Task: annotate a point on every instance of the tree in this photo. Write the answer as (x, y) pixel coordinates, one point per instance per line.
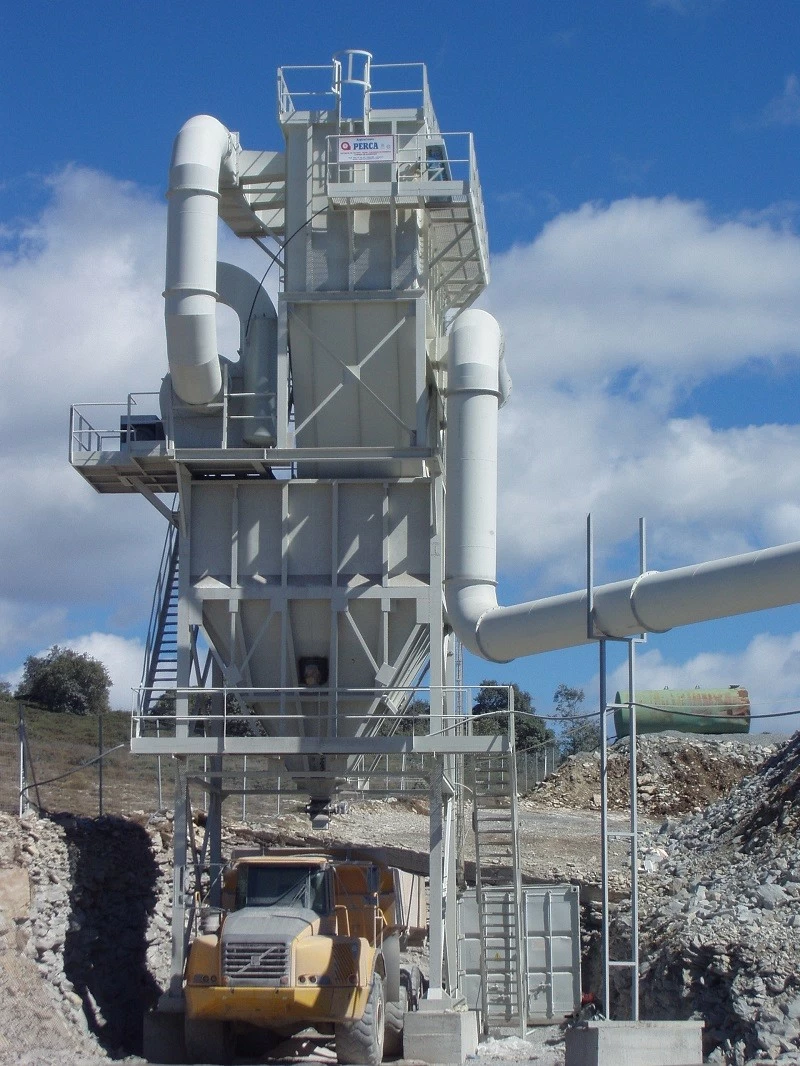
(579, 733)
(493, 697)
(65, 680)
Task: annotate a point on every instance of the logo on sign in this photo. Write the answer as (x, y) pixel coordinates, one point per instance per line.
(375, 149)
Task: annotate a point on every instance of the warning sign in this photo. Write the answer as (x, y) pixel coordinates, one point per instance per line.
(366, 149)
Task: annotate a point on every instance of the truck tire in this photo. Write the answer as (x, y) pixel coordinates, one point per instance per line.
(208, 1040)
(393, 1026)
(360, 1043)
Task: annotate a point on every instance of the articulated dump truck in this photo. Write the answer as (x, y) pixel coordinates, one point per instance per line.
(308, 939)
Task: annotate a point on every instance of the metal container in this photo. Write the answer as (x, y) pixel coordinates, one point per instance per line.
(694, 710)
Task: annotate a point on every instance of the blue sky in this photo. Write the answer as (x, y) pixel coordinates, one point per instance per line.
(638, 161)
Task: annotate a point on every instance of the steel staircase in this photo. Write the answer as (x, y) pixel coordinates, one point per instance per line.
(159, 673)
(499, 891)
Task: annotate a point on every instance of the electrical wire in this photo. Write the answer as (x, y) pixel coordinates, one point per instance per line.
(275, 260)
(75, 769)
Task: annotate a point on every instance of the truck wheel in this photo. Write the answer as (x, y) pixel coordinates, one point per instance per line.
(208, 1040)
(361, 1042)
(393, 1026)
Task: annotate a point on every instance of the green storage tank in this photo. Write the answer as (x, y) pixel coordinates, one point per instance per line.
(693, 710)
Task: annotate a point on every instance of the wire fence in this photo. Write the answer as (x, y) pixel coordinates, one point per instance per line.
(62, 762)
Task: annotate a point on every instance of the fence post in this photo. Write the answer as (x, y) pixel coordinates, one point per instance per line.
(100, 763)
(23, 794)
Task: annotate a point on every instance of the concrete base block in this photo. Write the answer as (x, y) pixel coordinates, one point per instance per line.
(446, 1036)
(635, 1044)
(162, 1037)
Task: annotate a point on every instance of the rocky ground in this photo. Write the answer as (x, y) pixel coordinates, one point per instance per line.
(84, 903)
(677, 773)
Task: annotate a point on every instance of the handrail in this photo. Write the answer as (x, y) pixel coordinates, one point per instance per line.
(445, 724)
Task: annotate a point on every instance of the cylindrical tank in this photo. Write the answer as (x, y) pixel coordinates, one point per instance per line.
(694, 710)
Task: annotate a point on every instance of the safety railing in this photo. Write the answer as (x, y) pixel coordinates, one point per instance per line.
(306, 712)
(100, 427)
(418, 158)
(385, 86)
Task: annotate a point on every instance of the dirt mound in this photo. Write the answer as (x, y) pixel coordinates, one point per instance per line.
(677, 774)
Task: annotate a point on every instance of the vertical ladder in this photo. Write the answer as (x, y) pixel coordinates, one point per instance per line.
(498, 891)
(160, 670)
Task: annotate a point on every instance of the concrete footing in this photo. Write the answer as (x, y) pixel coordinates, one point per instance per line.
(446, 1036)
(635, 1044)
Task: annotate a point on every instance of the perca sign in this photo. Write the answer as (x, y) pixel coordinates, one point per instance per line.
(366, 149)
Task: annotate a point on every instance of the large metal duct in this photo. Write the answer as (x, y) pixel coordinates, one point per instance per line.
(258, 344)
(202, 149)
(653, 602)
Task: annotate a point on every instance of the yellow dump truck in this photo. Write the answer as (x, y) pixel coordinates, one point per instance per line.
(307, 939)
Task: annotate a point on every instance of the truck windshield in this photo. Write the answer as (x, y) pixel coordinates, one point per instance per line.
(286, 886)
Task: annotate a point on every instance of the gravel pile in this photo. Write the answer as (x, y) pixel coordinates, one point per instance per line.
(677, 774)
(720, 918)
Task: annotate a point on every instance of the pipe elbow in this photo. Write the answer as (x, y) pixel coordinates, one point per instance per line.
(467, 604)
(203, 149)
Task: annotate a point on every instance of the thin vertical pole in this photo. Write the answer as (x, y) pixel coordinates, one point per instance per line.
(160, 784)
(604, 827)
(634, 790)
(23, 794)
(100, 762)
(244, 789)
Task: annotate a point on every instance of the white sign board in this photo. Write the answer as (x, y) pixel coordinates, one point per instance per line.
(366, 148)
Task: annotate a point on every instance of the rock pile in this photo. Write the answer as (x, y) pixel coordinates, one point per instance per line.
(720, 918)
(84, 904)
(677, 773)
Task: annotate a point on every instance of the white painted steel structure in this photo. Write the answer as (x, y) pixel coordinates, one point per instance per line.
(310, 469)
(316, 539)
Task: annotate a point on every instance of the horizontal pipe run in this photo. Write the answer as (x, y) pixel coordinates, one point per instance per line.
(653, 602)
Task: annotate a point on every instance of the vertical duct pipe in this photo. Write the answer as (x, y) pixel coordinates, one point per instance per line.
(202, 149)
(652, 602)
(258, 343)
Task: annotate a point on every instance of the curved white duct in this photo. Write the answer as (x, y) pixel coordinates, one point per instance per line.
(652, 602)
(258, 343)
(202, 149)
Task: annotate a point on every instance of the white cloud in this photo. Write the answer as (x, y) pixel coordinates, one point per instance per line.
(784, 109)
(122, 658)
(652, 286)
(611, 316)
(81, 315)
(769, 667)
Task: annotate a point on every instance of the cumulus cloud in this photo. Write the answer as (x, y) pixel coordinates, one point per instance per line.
(653, 287)
(612, 316)
(81, 315)
(769, 667)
